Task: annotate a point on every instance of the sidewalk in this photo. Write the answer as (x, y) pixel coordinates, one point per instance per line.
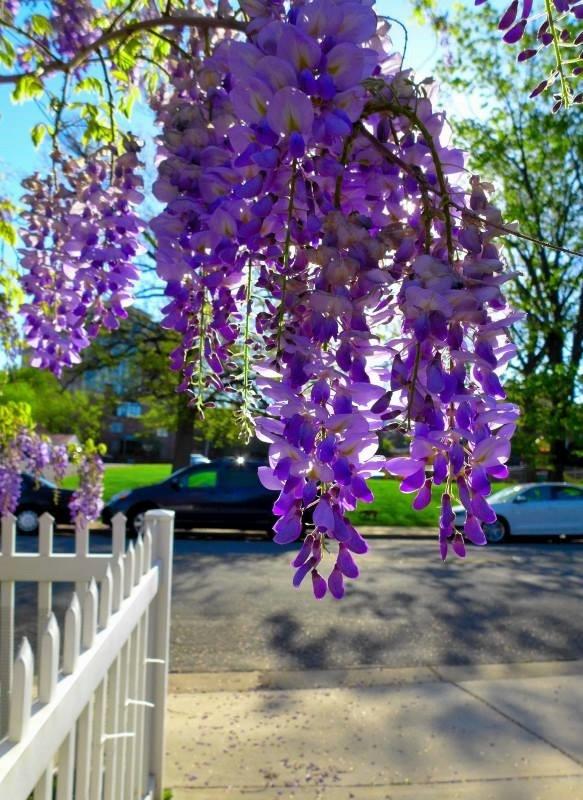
(501, 732)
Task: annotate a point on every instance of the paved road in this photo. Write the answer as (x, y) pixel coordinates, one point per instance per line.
(234, 608)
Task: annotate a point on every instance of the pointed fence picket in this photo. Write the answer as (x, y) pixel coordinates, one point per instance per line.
(83, 717)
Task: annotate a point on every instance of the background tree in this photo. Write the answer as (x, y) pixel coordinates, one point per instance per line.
(53, 409)
(537, 158)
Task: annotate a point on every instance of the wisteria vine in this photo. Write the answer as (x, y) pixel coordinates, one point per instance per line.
(329, 262)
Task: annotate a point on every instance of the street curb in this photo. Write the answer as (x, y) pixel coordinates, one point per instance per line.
(363, 677)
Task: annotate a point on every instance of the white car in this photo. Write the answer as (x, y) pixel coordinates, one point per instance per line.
(530, 509)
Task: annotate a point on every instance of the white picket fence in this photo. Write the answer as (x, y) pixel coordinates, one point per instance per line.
(84, 720)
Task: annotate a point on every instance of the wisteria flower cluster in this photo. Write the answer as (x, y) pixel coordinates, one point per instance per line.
(87, 501)
(556, 25)
(310, 186)
(328, 261)
(80, 241)
(23, 450)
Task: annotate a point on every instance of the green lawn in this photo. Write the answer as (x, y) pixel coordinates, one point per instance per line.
(391, 507)
(127, 476)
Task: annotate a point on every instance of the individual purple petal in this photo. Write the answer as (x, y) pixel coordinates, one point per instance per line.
(323, 515)
(500, 472)
(482, 510)
(440, 467)
(346, 563)
(435, 378)
(287, 529)
(509, 16)
(283, 504)
(479, 482)
(413, 482)
(361, 490)
(297, 145)
(304, 552)
(463, 415)
(318, 585)
(491, 451)
(302, 571)
(327, 449)
(446, 517)
(443, 546)
(335, 584)
(539, 88)
(299, 49)
(456, 458)
(423, 497)
(525, 55)
(268, 479)
(515, 34)
(290, 111)
(356, 543)
(309, 492)
(342, 471)
(342, 532)
(473, 531)
(458, 545)
(320, 393)
(403, 466)
(464, 493)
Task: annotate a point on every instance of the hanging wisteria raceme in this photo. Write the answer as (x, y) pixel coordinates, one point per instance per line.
(87, 501)
(308, 177)
(328, 261)
(27, 452)
(80, 242)
(556, 24)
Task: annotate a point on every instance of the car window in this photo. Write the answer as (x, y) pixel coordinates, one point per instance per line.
(239, 478)
(567, 493)
(200, 479)
(505, 494)
(536, 493)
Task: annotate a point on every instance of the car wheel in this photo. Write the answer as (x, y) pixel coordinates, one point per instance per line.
(136, 525)
(27, 520)
(496, 532)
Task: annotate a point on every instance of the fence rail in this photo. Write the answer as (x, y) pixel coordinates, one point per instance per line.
(84, 715)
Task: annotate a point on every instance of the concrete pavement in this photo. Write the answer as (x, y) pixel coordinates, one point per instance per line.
(500, 732)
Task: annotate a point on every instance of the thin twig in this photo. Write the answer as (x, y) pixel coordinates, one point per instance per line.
(110, 105)
(184, 53)
(286, 252)
(180, 21)
(4, 23)
(405, 32)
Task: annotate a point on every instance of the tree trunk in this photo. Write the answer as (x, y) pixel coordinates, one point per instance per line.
(184, 441)
(558, 458)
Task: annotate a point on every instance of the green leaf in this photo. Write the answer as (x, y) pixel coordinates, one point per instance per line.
(128, 100)
(38, 133)
(90, 84)
(27, 88)
(120, 76)
(41, 25)
(161, 50)
(7, 232)
(7, 52)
